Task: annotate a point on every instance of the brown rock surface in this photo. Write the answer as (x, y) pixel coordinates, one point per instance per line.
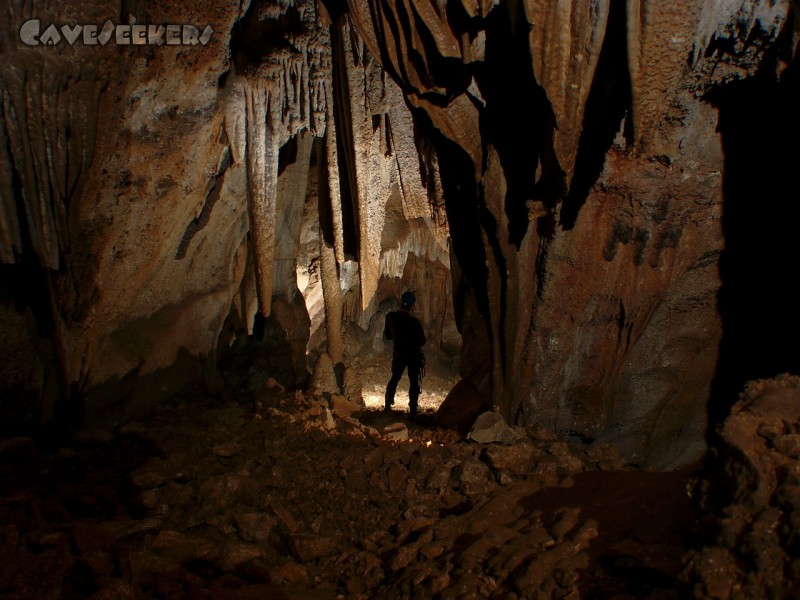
(326, 513)
(755, 488)
(593, 201)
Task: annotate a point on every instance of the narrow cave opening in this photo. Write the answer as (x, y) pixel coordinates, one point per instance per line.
(759, 126)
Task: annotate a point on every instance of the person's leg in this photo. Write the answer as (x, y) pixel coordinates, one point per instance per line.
(413, 387)
(398, 366)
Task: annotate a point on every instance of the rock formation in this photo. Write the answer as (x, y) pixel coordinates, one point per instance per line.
(558, 180)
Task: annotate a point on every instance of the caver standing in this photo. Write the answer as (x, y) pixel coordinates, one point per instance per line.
(406, 332)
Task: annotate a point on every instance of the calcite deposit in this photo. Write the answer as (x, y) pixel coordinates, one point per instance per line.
(594, 202)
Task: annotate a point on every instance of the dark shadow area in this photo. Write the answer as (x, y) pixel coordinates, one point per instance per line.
(256, 36)
(276, 349)
(645, 524)
(609, 98)
(463, 214)
(32, 394)
(518, 120)
(345, 144)
(759, 123)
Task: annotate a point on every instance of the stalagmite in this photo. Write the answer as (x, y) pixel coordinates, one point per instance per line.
(332, 294)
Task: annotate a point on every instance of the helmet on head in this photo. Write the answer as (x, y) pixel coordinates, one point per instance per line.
(408, 299)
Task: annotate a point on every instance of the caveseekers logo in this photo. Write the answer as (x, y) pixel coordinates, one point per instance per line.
(31, 33)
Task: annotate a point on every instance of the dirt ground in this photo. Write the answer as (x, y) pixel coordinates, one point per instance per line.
(441, 374)
(216, 498)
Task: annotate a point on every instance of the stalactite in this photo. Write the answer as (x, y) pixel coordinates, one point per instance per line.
(47, 130)
(370, 170)
(332, 162)
(419, 242)
(263, 144)
(292, 188)
(284, 95)
(736, 20)
(565, 41)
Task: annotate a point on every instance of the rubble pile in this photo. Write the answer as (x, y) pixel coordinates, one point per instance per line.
(293, 497)
(756, 497)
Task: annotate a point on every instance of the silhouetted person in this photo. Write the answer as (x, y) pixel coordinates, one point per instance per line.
(408, 336)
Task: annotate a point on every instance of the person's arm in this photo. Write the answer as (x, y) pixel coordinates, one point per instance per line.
(420, 334)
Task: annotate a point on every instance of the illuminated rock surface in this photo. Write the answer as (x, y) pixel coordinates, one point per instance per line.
(595, 203)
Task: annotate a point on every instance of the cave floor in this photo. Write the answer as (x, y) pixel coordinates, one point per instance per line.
(375, 368)
(213, 499)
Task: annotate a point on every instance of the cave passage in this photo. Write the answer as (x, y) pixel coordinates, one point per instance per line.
(758, 301)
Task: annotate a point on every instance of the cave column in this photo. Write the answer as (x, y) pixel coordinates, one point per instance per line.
(333, 174)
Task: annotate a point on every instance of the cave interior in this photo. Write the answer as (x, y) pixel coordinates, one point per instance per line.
(200, 239)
